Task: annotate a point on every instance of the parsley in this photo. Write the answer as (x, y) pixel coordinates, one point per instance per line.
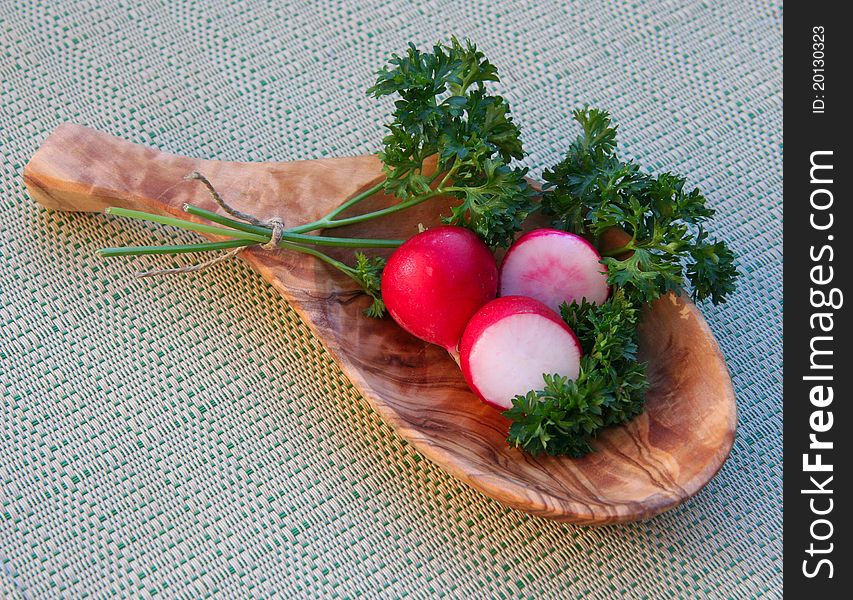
(445, 111)
(368, 272)
(564, 416)
(591, 190)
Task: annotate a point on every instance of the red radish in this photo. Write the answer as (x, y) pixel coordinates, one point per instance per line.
(554, 267)
(510, 344)
(436, 280)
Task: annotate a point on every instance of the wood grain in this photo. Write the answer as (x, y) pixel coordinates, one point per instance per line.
(641, 469)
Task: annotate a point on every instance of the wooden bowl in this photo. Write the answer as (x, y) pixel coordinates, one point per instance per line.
(640, 469)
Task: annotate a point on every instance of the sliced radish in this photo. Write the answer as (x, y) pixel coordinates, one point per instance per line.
(554, 267)
(436, 281)
(510, 344)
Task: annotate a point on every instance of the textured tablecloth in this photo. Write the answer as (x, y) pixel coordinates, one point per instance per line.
(189, 437)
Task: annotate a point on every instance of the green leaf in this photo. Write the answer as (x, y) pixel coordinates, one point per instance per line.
(591, 190)
(368, 272)
(494, 203)
(566, 415)
(444, 109)
(712, 272)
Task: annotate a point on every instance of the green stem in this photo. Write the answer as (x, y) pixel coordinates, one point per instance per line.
(617, 251)
(139, 250)
(452, 188)
(340, 242)
(450, 173)
(288, 235)
(329, 221)
(322, 224)
(387, 211)
(223, 220)
(320, 255)
(183, 224)
(629, 247)
(356, 199)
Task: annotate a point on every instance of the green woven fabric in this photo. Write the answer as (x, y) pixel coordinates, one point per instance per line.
(188, 437)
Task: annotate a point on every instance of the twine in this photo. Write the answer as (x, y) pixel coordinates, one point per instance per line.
(191, 268)
(275, 224)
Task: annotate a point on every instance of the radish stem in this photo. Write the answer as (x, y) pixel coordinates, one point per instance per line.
(184, 224)
(140, 250)
(325, 224)
(356, 199)
(255, 234)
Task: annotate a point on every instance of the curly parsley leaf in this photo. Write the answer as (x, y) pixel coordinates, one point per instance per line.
(444, 110)
(592, 190)
(368, 273)
(494, 202)
(565, 415)
(559, 418)
(712, 272)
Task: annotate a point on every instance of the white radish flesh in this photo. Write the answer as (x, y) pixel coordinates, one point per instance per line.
(510, 344)
(553, 267)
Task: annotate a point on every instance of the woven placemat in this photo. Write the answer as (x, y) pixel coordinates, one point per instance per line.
(189, 437)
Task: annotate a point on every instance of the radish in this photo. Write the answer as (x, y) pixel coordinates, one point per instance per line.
(436, 281)
(510, 344)
(554, 267)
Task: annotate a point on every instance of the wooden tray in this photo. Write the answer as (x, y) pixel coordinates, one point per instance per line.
(640, 469)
